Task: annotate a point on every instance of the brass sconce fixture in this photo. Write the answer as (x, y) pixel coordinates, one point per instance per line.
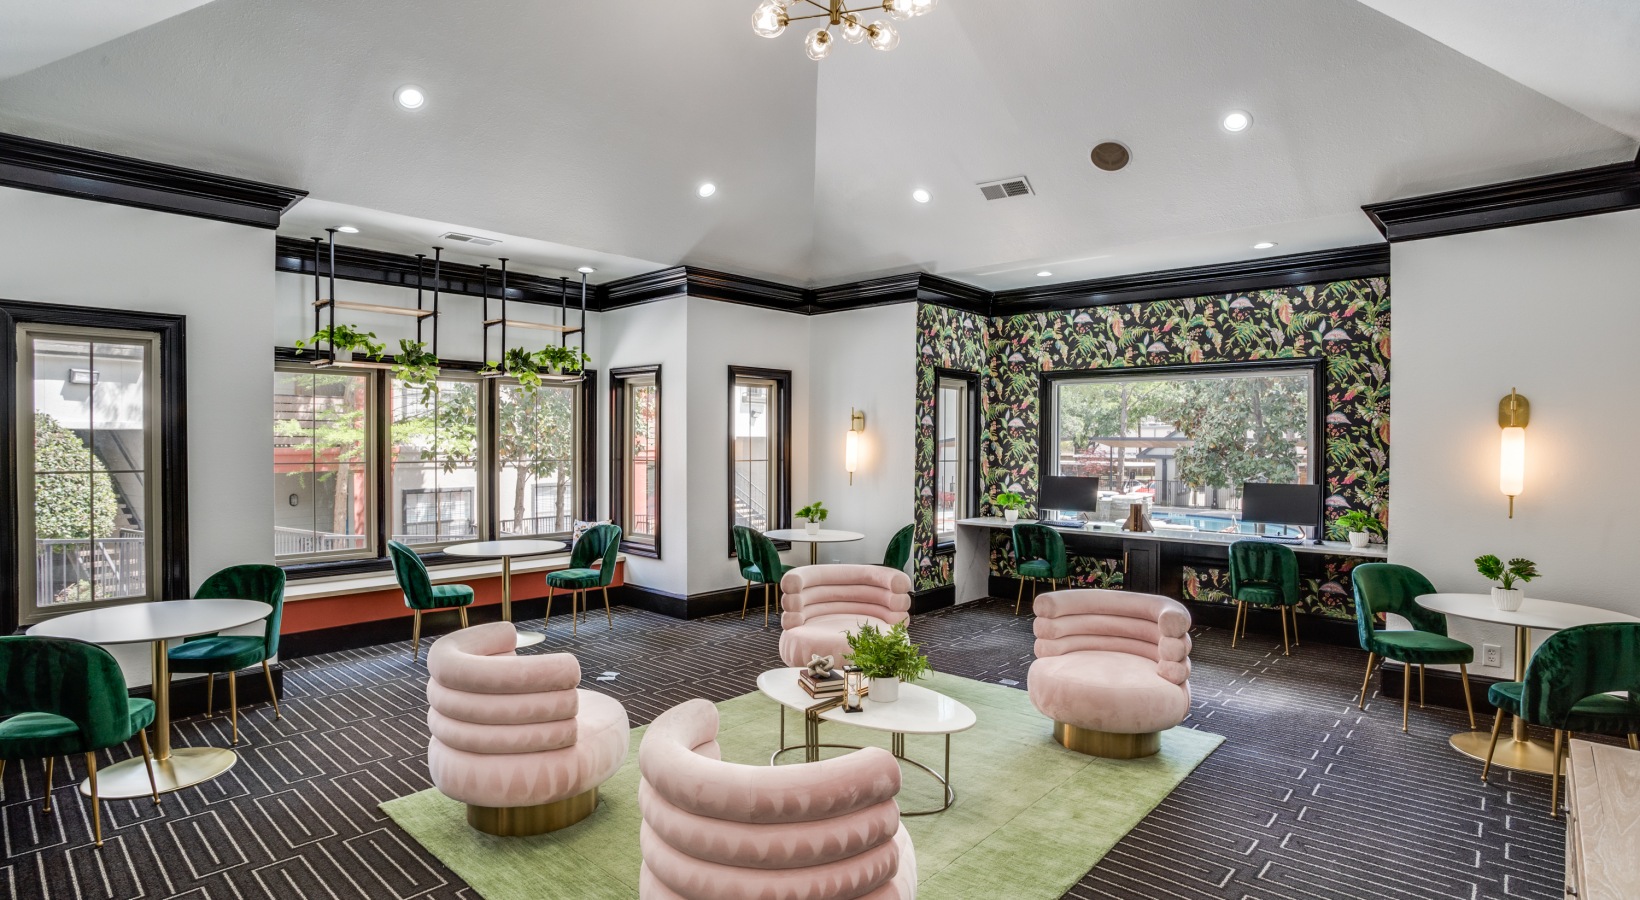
(851, 450)
(1514, 411)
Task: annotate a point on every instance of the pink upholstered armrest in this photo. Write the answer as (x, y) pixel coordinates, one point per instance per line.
(709, 787)
(482, 660)
(810, 591)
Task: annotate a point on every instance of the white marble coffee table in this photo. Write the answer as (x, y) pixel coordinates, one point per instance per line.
(917, 711)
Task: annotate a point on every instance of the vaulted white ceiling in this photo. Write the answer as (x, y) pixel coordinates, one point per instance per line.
(588, 126)
(36, 32)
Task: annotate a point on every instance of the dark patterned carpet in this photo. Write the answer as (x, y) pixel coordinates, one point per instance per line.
(1307, 798)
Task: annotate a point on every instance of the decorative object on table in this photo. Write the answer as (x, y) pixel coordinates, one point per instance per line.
(822, 603)
(1505, 595)
(1358, 526)
(1010, 502)
(887, 658)
(899, 548)
(812, 515)
(212, 654)
(1387, 588)
(1514, 412)
(421, 594)
(854, 682)
(599, 545)
(1265, 574)
(1567, 687)
(771, 17)
(823, 687)
(1112, 669)
(1138, 519)
(851, 448)
(821, 666)
(1039, 555)
(62, 697)
(759, 564)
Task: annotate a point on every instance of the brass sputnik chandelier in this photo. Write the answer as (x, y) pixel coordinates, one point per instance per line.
(772, 17)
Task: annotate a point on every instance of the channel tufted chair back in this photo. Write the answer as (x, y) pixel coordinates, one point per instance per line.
(822, 604)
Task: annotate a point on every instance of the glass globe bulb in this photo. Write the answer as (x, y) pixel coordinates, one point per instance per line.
(923, 7)
(899, 10)
(883, 36)
(769, 19)
(818, 44)
(853, 31)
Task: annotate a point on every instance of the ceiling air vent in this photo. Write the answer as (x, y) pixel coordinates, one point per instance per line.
(459, 238)
(1008, 187)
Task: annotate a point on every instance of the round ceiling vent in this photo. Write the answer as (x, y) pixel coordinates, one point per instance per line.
(1111, 156)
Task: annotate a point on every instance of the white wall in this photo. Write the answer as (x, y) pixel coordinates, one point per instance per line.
(1551, 310)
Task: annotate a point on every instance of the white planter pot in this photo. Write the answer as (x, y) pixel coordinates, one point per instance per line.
(1507, 601)
(1010, 515)
(812, 527)
(344, 356)
(1360, 539)
(885, 690)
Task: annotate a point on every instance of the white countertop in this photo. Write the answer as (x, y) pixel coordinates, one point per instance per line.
(1330, 548)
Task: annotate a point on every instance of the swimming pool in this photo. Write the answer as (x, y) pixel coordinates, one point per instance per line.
(1222, 523)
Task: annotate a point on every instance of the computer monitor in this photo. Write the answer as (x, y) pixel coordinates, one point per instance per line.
(1282, 504)
(1069, 493)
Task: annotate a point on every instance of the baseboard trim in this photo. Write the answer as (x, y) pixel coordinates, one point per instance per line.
(693, 606)
(1442, 688)
(934, 598)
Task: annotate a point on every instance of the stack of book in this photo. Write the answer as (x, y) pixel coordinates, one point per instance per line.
(825, 688)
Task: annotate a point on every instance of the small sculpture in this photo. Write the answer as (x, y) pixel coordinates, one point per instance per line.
(820, 666)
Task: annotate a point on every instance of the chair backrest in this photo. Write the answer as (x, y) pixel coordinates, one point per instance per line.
(844, 589)
(251, 582)
(822, 829)
(1577, 663)
(80, 682)
(753, 548)
(412, 575)
(1149, 626)
(1389, 588)
(1032, 542)
(600, 542)
(483, 697)
(899, 548)
(1264, 564)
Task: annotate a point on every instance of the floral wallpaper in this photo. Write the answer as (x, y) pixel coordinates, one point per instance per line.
(946, 339)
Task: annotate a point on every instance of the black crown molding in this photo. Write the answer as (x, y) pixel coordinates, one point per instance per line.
(34, 165)
(399, 270)
(1564, 195)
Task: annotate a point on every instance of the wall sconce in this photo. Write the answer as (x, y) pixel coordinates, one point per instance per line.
(1514, 411)
(851, 450)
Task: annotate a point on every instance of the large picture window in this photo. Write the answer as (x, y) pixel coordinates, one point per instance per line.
(759, 438)
(436, 462)
(537, 437)
(1183, 440)
(635, 449)
(322, 464)
(955, 452)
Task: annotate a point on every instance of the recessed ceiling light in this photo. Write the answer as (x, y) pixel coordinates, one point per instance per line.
(707, 189)
(347, 229)
(1264, 245)
(1044, 274)
(921, 196)
(410, 97)
(1236, 120)
(586, 270)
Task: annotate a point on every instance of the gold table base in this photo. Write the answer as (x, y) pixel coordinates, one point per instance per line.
(1530, 755)
(187, 766)
(811, 752)
(524, 821)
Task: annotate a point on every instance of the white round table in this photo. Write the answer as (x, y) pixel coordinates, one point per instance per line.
(156, 623)
(505, 551)
(813, 539)
(1521, 752)
(917, 711)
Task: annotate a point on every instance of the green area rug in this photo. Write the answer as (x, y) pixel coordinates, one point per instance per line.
(1031, 817)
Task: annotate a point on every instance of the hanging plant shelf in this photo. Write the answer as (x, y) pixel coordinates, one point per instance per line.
(376, 308)
(539, 326)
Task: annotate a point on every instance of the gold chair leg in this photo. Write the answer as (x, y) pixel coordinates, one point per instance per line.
(547, 616)
(463, 617)
(611, 616)
(96, 806)
(1293, 611)
(1469, 704)
(574, 612)
(765, 605)
(1554, 778)
(415, 635)
(1286, 649)
(210, 691)
(233, 704)
(746, 599)
(51, 769)
(148, 763)
(1019, 597)
(1365, 680)
(1406, 693)
(1634, 743)
(1497, 726)
(1235, 623)
(1420, 685)
(268, 674)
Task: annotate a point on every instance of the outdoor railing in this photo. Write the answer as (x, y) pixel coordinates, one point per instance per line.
(78, 571)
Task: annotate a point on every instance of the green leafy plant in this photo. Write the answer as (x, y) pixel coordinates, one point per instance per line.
(1357, 520)
(1494, 569)
(345, 338)
(564, 360)
(1009, 500)
(529, 365)
(814, 512)
(415, 365)
(886, 654)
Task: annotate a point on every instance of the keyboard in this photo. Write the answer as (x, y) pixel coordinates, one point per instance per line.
(1271, 538)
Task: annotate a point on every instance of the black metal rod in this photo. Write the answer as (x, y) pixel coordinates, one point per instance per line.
(583, 341)
(503, 305)
(420, 259)
(332, 274)
(485, 267)
(563, 310)
(317, 242)
(437, 253)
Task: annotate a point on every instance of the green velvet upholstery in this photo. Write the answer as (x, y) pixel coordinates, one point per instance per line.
(217, 653)
(600, 544)
(574, 579)
(1039, 552)
(1382, 588)
(419, 591)
(759, 558)
(230, 653)
(1263, 573)
(64, 697)
(1569, 676)
(899, 548)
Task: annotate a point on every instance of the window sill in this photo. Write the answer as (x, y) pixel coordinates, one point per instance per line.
(467, 570)
(643, 550)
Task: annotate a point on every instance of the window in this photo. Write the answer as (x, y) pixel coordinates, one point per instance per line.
(1184, 439)
(759, 437)
(635, 448)
(89, 476)
(955, 471)
(536, 441)
(436, 461)
(323, 467)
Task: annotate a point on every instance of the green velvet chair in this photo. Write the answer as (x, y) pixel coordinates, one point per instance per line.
(1039, 555)
(62, 697)
(211, 654)
(421, 594)
(600, 544)
(1566, 688)
(759, 564)
(1382, 588)
(1264, 573)
(899, 548)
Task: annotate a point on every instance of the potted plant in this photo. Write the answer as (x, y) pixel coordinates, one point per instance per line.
(1359, 527)
(1505, 596)
(344, 341)
(813, 515)
(564, 360)
(887, 658)
(415, 365)
(1010, 502)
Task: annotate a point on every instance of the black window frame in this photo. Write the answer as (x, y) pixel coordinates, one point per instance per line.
(970, 438)
(781, 509)
(619, 381)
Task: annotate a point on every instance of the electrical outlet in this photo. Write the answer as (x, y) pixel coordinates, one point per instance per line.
(1491, 655)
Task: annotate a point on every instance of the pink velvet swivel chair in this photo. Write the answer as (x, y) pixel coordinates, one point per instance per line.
(714, 830)
(1112, 669)
(513, 736)
(822, 604)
